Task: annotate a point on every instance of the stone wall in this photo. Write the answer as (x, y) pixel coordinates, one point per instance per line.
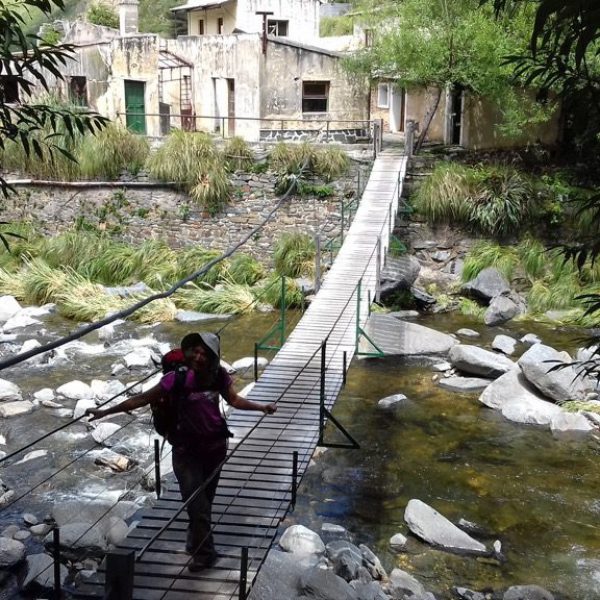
(138, 211)
(344, 136)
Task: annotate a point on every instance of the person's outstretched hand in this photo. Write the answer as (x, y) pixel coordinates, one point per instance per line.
(94, 413)
(269, 409)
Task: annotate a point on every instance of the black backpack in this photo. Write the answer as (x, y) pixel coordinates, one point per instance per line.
(164, 415)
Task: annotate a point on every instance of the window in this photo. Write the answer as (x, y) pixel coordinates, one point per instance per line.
(78, 90)
(279, 28)
(314, 96)
(9, 89)
(201, 27)
(220, 25)
(368, 38)
(383, 95)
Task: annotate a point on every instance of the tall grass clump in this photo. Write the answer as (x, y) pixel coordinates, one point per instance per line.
(193, 258)
(489, 254)
(213, 188)
(238, 154)
(41, 282)
(231, 298)
(245, 270)
(290, 159)
(268, 291)
(294, 255)
(330, 163)
(111, 151)
(12, 284)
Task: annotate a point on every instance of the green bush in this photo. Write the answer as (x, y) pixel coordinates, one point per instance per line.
(330, 163)
(103, 14)
(112, 151)
(294, 255)
(238, 154)
(334, 26)
(245, 269)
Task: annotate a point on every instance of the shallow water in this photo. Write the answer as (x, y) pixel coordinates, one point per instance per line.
(537, 495)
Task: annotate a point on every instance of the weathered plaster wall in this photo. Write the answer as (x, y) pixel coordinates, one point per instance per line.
(227, 12)
(418, 101)
(282, 71)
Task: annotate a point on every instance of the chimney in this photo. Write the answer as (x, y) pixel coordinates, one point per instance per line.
(128, 16)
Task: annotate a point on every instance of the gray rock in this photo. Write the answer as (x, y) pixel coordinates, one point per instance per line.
(391, 401)
(441, 256)
(45, 395)
(422, 299)
(38, 359)
(8, 307)
(403, 338)
(531, 338)
(429, 525)
(369, 590)
(22, 535)
(467, 594)
(103, 390)
(41, 529)
(405, 314)
(527, 592)
(478, 361)
(9, 532)
(140, 357)
(403, 586)
(40, 569)
(9, 391)
(518, 400)
(75, 390)
(12, 552)
(80, 536)
(191, 316)
(372, 563)
(18, 322)
(487, 285)
(13, 409)
(321, 584)
(30, 519)
(468, 333)
(566, 426)
(301, 540)
(332, 531)
(561, 384)
(307, 286)
(92, 512)
(346, 559)
(398, 274)
(127, 291)
(115, 530)
(505, 344)
(500, 310)
(398, 542)
(82, 406)
(103, 433)
(441, 367)
(243, 365)
(464, 384)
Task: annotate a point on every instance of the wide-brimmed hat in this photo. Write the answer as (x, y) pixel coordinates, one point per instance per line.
(210, 340)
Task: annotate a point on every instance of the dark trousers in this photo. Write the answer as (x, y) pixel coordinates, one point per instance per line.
(192, 471)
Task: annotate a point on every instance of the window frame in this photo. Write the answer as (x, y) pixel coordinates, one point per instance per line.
(15, 96)
(80, 98)
(220, 25)
(314, 97)
(274, 25)
(201, 27)
(380, 86)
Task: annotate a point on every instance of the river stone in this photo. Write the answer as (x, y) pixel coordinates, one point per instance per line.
(475, 360)
(125, 291)
(391, 401)
(531, 338)
(80, 536)
(346, 559)
(116, 530)
(19, 322)
(41, 529)
(107, 332)
(567, 425)
(9, 391)
(9, 532)
(279, 577)
(398, 274)
(369, 590)
(403, 586)
(500, 310)
(63, 413)
(504, 344)
(403, 338)
(91, 512)
(14, 409)
(441, 367)
(191, 316)
(429, 525)
(8, 307)
(103, 432)
(82, 406)
(22, 535)
(46, 395)
(398, 542)
(372, 563)
(518, 400)
(75, 390)
(559, 385)
(140, 357)
(245, 364)
(38, 311)
(11, 552)
(487, 285)
(40, 568)
(527, 592)
(405, 314)
(332, 531)
(468, 333)
(113, 460)
(467, 594)
(38, 359)
(464, 384)
(103, 390)
(30, 519)
(322, 584)
(32, 456)
(301, 540)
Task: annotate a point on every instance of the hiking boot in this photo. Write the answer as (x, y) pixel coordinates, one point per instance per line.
(199, 563)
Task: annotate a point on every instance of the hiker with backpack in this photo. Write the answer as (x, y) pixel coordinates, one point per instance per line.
(185, 406)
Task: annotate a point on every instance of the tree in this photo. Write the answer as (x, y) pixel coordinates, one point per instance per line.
(24, 58)
(440, 44)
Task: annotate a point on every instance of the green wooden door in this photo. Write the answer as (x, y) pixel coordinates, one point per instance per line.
(135, 106)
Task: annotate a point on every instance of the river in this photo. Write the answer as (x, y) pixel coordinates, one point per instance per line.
(537, 495)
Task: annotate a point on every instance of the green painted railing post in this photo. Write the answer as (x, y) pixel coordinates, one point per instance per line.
(282, 331)
(358, 312)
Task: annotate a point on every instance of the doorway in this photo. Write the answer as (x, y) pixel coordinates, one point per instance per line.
(135, 106)
(230, 107)
(397, 103)
(456, 111)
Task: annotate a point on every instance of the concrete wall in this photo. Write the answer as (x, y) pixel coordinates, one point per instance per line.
(227, 12)
(418, 101)
(283, 70)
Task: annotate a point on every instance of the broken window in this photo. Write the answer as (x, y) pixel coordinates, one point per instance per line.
(279, 28)
(201, 27)
(315, 95)
(220, 25)
(368, 38)
(9, 89)
(78, 91)
(383, 93)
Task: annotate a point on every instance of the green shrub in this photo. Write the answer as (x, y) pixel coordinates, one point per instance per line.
(112, 151)
(329, 163)
(238, 154)
(334, 26)
(268, 291)
(294, 255)
(489, 254)
(245, 269)
(470, 308)
(213, 187)
(103, 14)
(291, 159)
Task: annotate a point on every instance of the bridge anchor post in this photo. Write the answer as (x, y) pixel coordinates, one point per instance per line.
(243, 573)
(120, 566)
(157, 467)
(294, 477)
(56, 556)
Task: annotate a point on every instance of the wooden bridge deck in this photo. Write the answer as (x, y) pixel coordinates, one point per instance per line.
(254, 492)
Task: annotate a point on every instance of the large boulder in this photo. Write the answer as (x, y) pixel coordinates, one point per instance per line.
(9, 391)
(398, 274)
(81, 536)
(8, 308)
(567, 425)
(428, 524)
(92, 512)
(464, 385)
(322, 584)
(301, 540)
(403, 338)
(11, 552)
(477, 361)
(519, 401)
(40, 570)
(18, 321)
(75, 390)
(104, 431)
(346, 559)
(501, 309)
(14, 409)
(487, 285)
(561, 384)
(504, 344)
(527, 592)
(403, 585)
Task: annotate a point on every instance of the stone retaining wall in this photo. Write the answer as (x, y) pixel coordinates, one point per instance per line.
(344, 136)
(144, 210)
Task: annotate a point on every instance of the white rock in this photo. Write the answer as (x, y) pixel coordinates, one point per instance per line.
(51, 404)
(505, 344)
(247, 363)
(10, 531)
(103, 432)
(40, 568)
(398, 542)
(18, 322)
(8, 307)
(9, 391)
(468, 333)
(44, 395)
(11, 552)
(391, 401)
(227, 367)
(22, 535)
(39, 359)
(38, 311)
(567, 425)
(531, 339)
(103, 390)
(302, 541)
(2, 440)
(30, 519)
(141, 357)
(63, 413)
(79, 536)
(14, 409)
(107, 332)
(442, 367)
(75, 390)
(82, 406)
(8, 337)
(150, 383)
(32, 456)
(41, 529)
(117, 368)
(116, 530)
